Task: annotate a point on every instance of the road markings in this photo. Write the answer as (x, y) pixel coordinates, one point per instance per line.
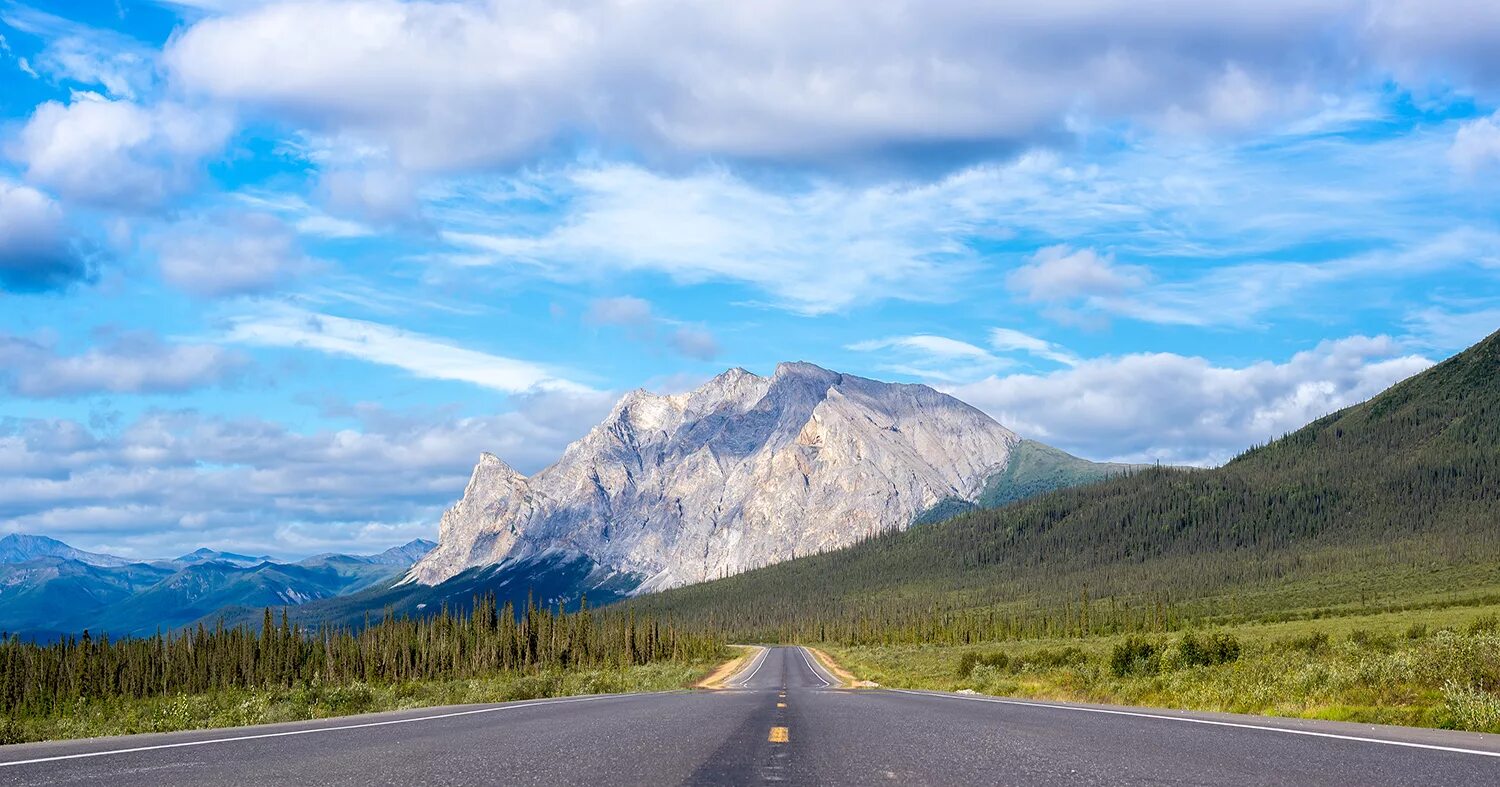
(760, 663)
(339, 728)
(778, 735)
(1210, 722)
(805, 660)
(781, 704)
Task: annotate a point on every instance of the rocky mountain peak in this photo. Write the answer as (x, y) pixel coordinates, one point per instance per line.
(742, 471)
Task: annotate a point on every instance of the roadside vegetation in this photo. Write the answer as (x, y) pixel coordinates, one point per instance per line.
(1428, 668)
(235, 676)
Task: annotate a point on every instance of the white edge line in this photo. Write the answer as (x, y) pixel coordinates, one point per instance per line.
(810, 666)
(760, 662)
(285, 733)
(1191, 720)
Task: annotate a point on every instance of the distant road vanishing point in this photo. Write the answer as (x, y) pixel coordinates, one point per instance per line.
(782, 719)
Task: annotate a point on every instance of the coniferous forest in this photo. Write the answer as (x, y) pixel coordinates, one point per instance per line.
(1392, 503)
(43, 679)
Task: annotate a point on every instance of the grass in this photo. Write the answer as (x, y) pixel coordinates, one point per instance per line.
(1430, 668)
(93, 718)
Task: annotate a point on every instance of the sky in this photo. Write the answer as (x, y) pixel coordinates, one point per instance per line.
(272, 274)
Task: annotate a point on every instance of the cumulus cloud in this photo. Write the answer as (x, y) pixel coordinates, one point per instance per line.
(1186, 410)
(37, 250)
(129, 362)
(234, 254)
(176, 480)
(1059, 273)
(1476, 145)
(116, 152)
(424, 356)
(380, 195)
(451, 85)
(641, 322)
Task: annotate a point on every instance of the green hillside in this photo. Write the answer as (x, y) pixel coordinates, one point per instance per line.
(1387, 504)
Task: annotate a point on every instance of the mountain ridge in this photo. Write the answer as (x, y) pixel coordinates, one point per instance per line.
(1399, 491)
(743, 471)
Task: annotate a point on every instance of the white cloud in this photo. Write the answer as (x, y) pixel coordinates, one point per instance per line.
(1010, 340)
(930, 357)
(1187, 410)
(233, 254)
(125, 363)
(815, 251)
(1476, 145)
(450, 85)
(117, 153)
(36, 247)
(1451, 329)
(421, 355)
(79, 53)
(173, 481)
(1059, 273)
(936, 346)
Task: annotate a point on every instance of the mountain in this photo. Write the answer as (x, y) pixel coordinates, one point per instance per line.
(743, 472)
(403, 556)
(49, 590)
(206, 555)
(19, 548)
(1387, 502)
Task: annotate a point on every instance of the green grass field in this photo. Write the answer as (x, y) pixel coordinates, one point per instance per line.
(1435, 667)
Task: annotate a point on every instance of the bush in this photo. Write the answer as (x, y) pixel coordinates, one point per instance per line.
(1416, 631)
(1314, 642)
(1471, 708)
(1046, 658)
(1484, 624)
(1216, 648)
(1135, 656)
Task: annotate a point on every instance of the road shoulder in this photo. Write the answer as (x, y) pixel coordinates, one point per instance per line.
(731, 668)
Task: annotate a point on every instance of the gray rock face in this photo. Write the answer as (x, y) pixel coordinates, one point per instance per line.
(742, 472)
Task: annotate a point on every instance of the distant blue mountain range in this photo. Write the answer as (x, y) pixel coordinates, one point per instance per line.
(48, 588)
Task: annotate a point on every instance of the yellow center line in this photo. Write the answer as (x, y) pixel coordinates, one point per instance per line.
(778, 735)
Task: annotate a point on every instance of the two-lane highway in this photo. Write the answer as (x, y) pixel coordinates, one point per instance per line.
(782, 719)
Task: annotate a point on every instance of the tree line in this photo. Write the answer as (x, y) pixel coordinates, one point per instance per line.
(38, 678)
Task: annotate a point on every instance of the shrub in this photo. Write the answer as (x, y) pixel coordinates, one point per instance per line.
(1416, 631)
(1471, 708)
(1049, 657)
(1135, 656)
(969, 660)
(1484, 624)
(1313, 642)
(1215, 648)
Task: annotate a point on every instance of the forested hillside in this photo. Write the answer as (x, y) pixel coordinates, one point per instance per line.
(1384, 503)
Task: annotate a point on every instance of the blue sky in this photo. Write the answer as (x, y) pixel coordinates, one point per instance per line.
(273, 273)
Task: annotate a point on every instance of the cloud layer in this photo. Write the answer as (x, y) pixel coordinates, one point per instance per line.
(447, 85)
(1177, 409)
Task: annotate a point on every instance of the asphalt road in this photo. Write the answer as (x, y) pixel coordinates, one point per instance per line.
(749, 733)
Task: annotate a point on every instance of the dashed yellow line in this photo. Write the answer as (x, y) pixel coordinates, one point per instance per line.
(778, 735)
(781, 704)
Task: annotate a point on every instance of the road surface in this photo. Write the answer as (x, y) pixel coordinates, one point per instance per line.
(749, 733)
